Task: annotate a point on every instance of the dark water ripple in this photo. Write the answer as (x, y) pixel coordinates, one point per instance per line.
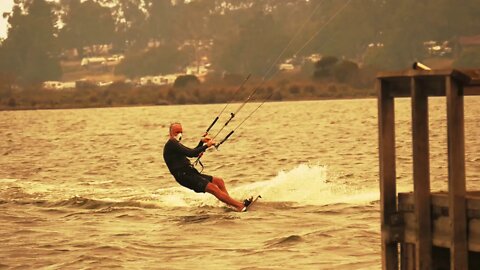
(284, 241)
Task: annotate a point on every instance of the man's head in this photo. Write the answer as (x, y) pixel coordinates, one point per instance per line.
(176, 131)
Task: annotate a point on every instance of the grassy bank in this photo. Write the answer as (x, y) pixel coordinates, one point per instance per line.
(120, 94)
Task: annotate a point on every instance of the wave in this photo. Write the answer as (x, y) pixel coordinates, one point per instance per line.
(301, 186)
(19, 196)
(83, 203)
(309, 185)
(86, 203)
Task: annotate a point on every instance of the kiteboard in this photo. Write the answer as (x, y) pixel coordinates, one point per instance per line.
(251, 203)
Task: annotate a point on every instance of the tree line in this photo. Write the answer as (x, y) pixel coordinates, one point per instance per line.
(239, 36)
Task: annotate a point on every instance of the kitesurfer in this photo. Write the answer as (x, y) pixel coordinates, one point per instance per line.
(176, 157)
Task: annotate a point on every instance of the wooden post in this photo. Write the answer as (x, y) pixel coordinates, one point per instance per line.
(407, 256)
(421, 176)
(456, 175)
(388, 196)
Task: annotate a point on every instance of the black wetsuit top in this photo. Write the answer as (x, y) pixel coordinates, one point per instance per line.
(175, 155)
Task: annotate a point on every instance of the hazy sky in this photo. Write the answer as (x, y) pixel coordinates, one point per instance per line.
(5, 6)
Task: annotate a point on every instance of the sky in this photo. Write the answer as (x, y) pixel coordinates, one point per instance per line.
(5, 6)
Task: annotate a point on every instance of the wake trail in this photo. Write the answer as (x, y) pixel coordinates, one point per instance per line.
(302, 185)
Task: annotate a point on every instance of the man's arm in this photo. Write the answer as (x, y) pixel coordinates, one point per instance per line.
(189, 152)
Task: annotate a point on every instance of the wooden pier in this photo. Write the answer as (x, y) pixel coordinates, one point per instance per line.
(424, 230)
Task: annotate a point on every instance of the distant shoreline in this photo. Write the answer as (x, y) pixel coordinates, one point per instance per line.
(9, 109)
(124, 96)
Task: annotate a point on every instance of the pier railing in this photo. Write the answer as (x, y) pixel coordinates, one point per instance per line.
(412, 235)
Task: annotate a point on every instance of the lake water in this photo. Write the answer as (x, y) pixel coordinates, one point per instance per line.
(88, 188)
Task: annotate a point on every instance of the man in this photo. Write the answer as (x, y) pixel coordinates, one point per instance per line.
(176, 156)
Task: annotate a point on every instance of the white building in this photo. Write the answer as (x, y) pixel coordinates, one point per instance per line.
(159, 80)
(86, 61)
(53, 85)
(56, 85)
(286, 67)
(196, 70)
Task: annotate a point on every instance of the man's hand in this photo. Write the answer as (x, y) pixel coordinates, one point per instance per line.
(206, 138)
(210, 142)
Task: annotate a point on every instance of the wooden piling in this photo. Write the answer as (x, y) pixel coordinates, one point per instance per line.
(388, 195)
(410, 224)
(456, 175)
(421, 174)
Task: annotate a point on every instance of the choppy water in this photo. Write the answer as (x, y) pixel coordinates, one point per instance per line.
(88, 189)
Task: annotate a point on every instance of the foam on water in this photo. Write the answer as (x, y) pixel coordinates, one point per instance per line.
(7, 180)
(302, 185)
(309, 185)
(177, 197)
(305, 184)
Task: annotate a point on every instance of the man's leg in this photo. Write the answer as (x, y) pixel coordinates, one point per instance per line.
(220, 183)
(222, 196)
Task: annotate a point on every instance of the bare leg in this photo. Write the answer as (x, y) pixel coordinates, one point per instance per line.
(224, 197)
(220, 184)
